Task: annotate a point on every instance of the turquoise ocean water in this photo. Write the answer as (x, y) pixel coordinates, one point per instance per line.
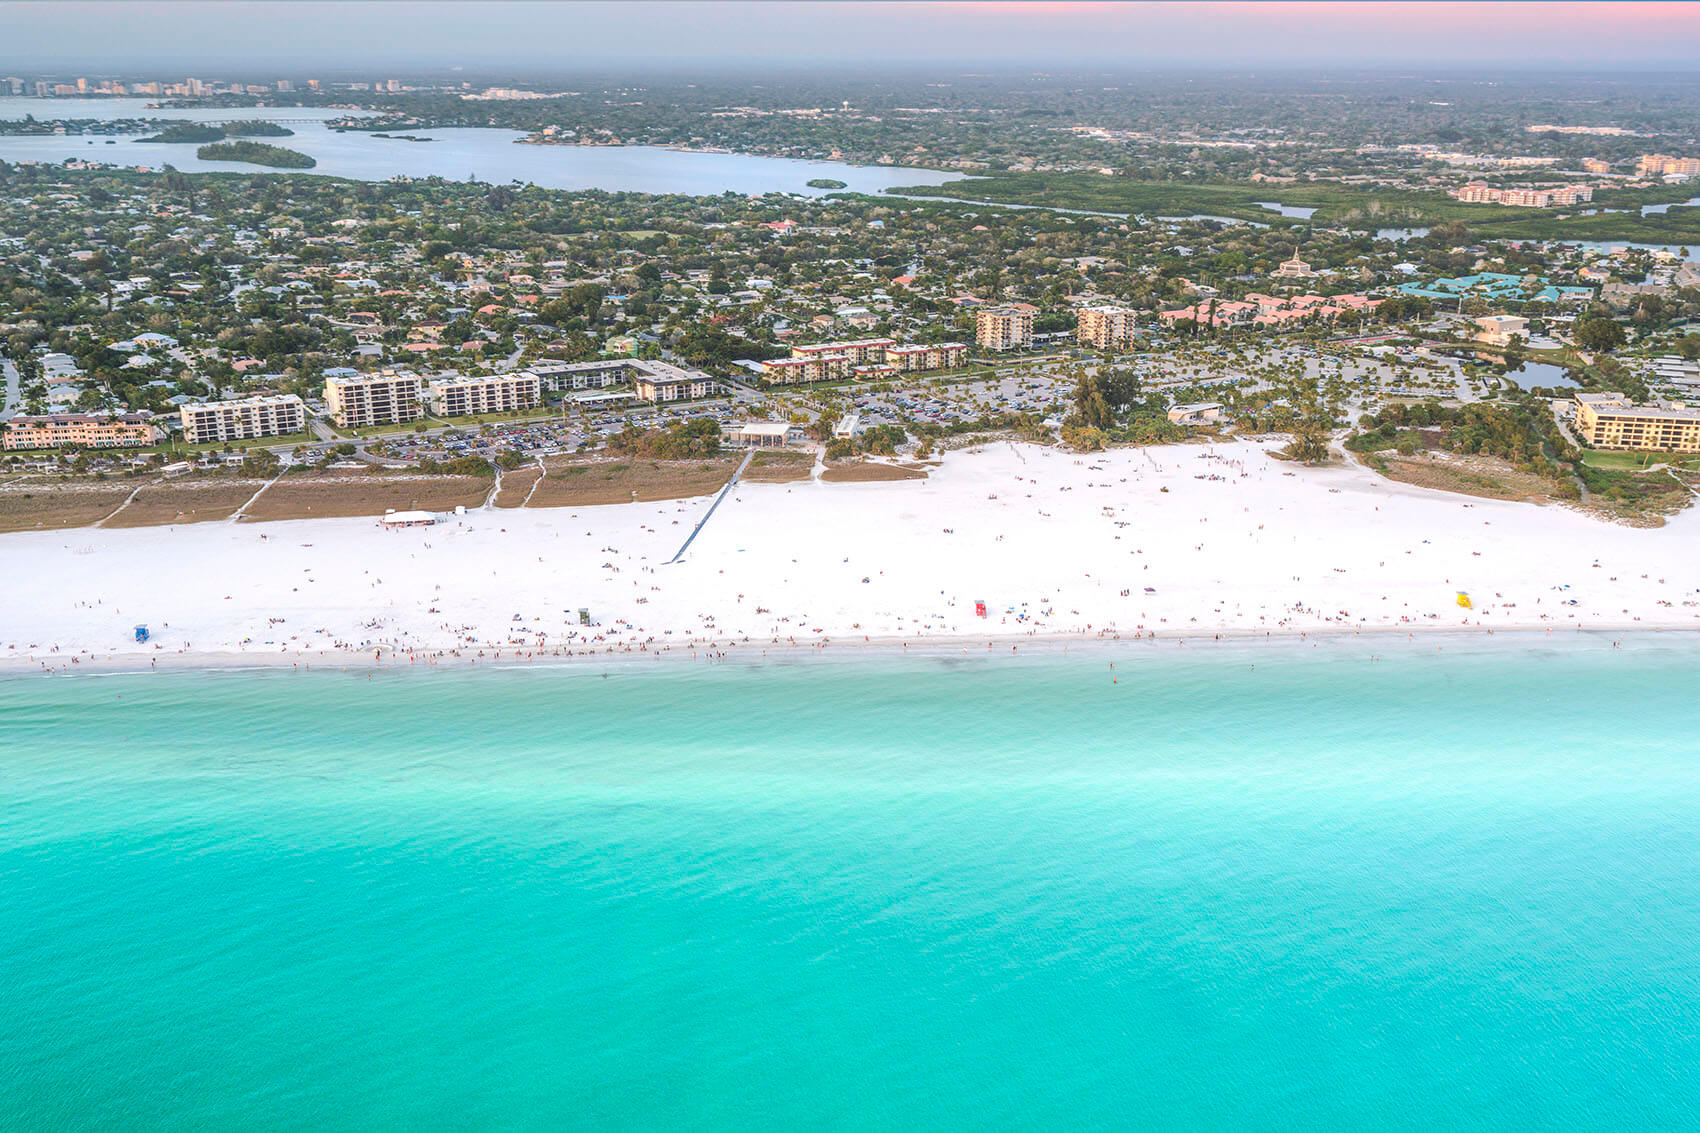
(1454, 889)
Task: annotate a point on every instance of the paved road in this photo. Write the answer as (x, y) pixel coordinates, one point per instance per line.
(14, 389)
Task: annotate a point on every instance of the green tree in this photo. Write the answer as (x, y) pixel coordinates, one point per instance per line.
(1090, 404)
(1599, 334)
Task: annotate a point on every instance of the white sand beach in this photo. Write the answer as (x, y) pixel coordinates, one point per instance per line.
(1181, 541)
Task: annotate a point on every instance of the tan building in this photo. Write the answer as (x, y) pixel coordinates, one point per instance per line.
(1107, 328)
(214, 422)
(85, 430)
(1480, 192)
(1595, 165)
(662, 381)
(387, 397)
(1003, 328)
(808, 368)
(1497, 330)
(1611, 420)
(1665, 164)
(498, 393)
(756, 434)
(1294, 268)
(920, 358)
(863, 352)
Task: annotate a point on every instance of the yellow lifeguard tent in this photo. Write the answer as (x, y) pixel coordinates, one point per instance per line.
(1464, 601)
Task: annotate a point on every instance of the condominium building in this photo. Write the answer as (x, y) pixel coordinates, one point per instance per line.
(1664, 163)
(861, 352)
(1611, 420)
(1480, 192)
(1595, 165)
(653, 381)
(1104, 327)
(660, 381)
(84, 430)
(561, 377)
(1003, 328)
(386, 397)
(459, 396)
(806, 368)
(869, 358)
(213, 422)
(922, 357)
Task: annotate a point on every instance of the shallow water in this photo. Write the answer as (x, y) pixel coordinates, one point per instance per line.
(1254, 886)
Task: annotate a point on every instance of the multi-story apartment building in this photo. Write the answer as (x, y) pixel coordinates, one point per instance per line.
(562, 377)
(85, 430)
(1611, 420)
(868, 358)
(653, 381)
(386, 397)
(214, 422)
(460, 396)
(1595, 165)
(863, 352)
(920, 358)
(1664, 164)
(1480, 192)
(1004, 328)
(807, 368)
(659, 381)
(1104, 327)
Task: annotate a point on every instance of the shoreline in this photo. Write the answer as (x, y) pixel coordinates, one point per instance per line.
(983, 649)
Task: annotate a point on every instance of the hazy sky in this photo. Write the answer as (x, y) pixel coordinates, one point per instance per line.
(306, 35)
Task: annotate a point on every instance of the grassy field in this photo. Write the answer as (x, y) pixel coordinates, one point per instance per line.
(1484, 476)
(575, 482)
(864, 472)
(516, 485)
(28, 508)
(1636, 461)
(185, 502)
(317, 495)
(779, 467)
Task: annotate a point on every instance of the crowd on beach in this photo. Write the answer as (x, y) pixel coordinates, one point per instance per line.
(1000, 546)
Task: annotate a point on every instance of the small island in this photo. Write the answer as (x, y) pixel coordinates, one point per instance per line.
(178, 133)
(827, 183)
(256, 153)
(183, 132)
(255, 128)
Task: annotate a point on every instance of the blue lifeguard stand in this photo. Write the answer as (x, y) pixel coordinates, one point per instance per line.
(141, 633)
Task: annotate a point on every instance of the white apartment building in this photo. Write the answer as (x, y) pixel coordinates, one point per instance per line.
(214, 422)
(460, 396)
(386, 397)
